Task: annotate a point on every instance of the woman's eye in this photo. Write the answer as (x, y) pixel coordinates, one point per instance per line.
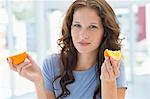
(77, 25)
(93, 27)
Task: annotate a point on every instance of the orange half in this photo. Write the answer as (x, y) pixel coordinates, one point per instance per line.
(113, 54)
(19, 58)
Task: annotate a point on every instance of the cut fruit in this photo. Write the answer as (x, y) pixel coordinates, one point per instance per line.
(19, 58)
(113, 54)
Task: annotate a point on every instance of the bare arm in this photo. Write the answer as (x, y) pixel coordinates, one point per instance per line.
(50, 95)
(121, 93)
(110, 91)
(42, 93)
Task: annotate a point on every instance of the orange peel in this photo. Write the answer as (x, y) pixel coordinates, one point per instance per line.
(19, 58)
(113, 54)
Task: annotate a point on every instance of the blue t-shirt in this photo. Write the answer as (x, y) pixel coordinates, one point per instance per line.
(85, 81)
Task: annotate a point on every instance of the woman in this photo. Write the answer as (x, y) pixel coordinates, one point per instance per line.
(81, 71)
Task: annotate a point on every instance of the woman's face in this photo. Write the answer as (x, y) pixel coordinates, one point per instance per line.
(86, 30)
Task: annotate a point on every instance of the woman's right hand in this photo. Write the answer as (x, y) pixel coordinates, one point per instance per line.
(28, 69)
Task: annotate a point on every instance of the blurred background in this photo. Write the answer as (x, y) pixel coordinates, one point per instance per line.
(35, 25)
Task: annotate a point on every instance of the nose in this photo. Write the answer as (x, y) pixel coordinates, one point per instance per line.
(83, 34)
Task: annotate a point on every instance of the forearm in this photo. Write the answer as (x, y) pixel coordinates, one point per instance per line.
(109, 89)
(40, 91)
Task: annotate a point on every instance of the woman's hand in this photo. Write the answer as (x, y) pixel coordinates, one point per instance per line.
(28, 69)
(110, 69)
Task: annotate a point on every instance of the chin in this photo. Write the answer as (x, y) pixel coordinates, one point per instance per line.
(84, 51)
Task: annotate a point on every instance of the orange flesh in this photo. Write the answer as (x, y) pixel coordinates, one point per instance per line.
(113, 54)
(19, 58)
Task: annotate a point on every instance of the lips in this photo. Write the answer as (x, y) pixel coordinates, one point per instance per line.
(84, 43)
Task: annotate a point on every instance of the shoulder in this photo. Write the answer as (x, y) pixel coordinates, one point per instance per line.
(122, 64)
(122, 67)
(50, 69)
(51, 63)
(52, 59)
(121, 80)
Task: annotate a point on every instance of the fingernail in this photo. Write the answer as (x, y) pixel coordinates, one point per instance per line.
(26, 62)
(106, 58)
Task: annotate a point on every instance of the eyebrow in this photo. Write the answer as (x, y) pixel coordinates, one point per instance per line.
(93, 23)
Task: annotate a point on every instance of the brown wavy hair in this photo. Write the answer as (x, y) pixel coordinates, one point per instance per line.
(68, 53)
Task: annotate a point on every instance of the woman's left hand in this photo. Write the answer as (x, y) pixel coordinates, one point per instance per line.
(110, 69)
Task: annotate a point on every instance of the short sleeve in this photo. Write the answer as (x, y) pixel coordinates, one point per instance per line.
(121, 80)
(47, 72)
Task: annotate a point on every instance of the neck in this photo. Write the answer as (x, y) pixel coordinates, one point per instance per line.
(86, 60)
